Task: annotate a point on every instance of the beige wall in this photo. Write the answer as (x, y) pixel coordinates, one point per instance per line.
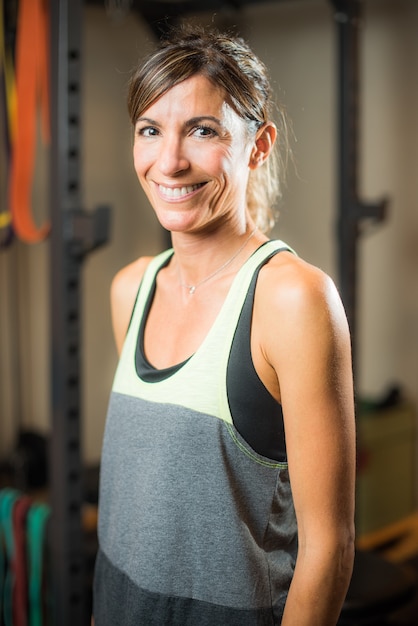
(297, 40)
(389, 286)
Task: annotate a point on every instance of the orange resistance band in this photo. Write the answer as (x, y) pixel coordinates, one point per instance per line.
(32, 82)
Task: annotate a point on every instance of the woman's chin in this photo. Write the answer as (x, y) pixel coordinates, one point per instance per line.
(180, 221)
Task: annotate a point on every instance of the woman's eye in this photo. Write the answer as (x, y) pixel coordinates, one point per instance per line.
(147, 131)
(204, 131)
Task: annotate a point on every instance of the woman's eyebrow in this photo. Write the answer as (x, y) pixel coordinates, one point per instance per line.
(148, 120)
(194, 121)
(202, 118)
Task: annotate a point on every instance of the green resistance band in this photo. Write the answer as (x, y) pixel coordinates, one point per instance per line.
(8, 498)
(36, 523)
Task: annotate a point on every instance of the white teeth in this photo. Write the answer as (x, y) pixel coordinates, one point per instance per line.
(177, 192)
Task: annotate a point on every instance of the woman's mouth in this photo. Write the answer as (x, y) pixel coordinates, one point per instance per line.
(178, 192)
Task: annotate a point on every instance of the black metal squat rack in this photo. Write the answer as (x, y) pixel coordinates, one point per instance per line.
(75, 233)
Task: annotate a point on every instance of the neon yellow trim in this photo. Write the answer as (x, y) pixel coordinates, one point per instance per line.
(253, 456)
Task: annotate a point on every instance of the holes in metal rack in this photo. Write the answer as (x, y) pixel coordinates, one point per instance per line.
(73, 54)
(72, 283)
(73, 413)
(72, 350)
(75, 598)
(72, 380)
(74, 507)
(74, 568)
(73, 87)
(73, 153)
(73, 445)
(72, 186)
(73, 477)
(72, 316)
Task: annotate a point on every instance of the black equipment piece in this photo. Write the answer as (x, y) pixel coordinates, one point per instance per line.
(75, 233)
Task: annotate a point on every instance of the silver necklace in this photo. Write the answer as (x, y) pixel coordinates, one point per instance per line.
(192, 288)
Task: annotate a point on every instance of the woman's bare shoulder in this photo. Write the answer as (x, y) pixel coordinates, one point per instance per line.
(290, 288)
(123, 292)
(130, 276)
(287, 275)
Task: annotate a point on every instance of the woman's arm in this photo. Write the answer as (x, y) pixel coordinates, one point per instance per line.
(308, 347)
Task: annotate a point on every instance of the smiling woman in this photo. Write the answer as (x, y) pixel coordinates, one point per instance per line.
(227, 474)
(191, 155)
(232, 67)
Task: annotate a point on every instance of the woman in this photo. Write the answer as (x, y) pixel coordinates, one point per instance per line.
(227, 481)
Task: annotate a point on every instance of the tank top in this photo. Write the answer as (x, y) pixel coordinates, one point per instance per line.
(196, 523)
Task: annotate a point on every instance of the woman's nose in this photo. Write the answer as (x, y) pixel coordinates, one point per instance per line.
(172, 158)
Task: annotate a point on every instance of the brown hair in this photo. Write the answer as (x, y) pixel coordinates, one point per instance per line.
(230, 64)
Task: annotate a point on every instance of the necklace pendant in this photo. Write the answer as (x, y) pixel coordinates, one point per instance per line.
(192, 289)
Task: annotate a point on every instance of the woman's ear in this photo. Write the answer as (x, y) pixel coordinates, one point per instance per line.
(263, 145)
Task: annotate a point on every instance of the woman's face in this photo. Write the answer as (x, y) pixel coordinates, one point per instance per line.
(191, 155)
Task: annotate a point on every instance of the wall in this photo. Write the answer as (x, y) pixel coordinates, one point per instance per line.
(389, 257)
(297, 41)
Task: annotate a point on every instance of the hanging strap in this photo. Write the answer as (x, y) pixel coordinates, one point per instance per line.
(36, 531)
(8, 105)
(20, 588)
(8, 498)
(31, 80)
